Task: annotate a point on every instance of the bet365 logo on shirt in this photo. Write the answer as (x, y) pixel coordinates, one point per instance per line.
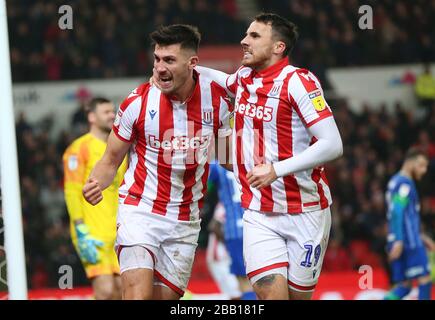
(178, 142)
(254, 111)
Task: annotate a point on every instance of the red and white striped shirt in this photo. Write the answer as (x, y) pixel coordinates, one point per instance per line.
(273, 109)
(168, 166)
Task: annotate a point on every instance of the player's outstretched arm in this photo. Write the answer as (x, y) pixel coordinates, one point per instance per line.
(218, 76)
(105, 170)
(225, 80)
(221, 78)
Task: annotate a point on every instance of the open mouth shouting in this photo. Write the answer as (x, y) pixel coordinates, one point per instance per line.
(165, 81)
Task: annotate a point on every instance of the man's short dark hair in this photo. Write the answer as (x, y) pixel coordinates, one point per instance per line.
(92, 106)
(282, 29)
(186, 35)
(415, 152)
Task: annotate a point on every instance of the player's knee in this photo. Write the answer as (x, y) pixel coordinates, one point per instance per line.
(137, 273)
(137, 285)
(103, 287)
(105, 292)
(300, 295)
(137, 293)
(117, 293)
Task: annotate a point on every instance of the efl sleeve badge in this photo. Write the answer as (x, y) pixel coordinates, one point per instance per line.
(317, 100)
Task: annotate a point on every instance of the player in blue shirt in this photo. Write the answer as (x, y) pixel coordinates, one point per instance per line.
(405, 243)
(229, 196)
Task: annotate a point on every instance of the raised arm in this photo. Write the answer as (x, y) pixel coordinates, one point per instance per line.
(218, 76)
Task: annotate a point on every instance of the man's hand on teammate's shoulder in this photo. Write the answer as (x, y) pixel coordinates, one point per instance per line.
(87, 244)
(92, 191)
(153, 79)
(261, 176)
(396, 251)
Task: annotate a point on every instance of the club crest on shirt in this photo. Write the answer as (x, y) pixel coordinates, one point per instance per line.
(317, 100)
(73, 162)
(207, 116)
(276, 89)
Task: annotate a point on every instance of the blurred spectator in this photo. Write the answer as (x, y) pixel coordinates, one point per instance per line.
(425, 90)
(52, 200)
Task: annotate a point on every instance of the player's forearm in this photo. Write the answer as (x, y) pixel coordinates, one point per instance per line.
(104, 172)
(327, 148)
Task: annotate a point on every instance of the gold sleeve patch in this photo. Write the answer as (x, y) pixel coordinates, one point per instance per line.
(232, 120)
(317, 100)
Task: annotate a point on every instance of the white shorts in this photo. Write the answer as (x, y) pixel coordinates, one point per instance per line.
(172, 244)
(290, 244)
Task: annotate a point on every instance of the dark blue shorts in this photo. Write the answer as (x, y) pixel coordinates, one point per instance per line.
(413, 263)
(235, 249)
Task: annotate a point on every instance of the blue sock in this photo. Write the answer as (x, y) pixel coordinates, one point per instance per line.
(397, 293)
(250, 295)
(424, 291)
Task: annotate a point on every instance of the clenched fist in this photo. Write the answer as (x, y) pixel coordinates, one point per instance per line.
(92, 191)
(261, 176)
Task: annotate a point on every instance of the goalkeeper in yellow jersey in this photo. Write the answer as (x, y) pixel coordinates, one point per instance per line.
(93, 228)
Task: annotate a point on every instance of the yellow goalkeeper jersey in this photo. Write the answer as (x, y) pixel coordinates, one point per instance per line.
(78, 161)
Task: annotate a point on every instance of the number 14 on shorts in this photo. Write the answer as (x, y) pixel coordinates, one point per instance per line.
(307, 261)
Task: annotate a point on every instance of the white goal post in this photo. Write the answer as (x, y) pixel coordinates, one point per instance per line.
(10, 188)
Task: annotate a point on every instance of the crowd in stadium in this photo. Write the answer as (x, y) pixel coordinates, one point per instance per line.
(110, 38)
